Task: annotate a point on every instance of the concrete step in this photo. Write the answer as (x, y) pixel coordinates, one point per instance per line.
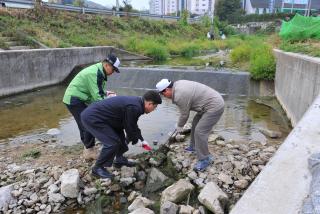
(19, 47)
(12, 43)
(6, 39)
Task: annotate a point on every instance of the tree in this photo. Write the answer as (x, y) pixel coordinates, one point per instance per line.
(78, 3)
(228, 10)
(127, 6)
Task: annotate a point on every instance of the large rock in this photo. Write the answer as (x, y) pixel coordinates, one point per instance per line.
(177, 192)
(156, 180)
(213, 198)
(270, 133)
(70, 183)
(169, 208)
(5, 196)
(186, 209)
(127, 172)
(142, 210)
(140, 202)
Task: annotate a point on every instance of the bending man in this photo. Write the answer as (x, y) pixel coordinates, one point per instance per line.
(108, 119)
(209, 105)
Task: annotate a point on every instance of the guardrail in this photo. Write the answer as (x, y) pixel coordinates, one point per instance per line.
(30, 4)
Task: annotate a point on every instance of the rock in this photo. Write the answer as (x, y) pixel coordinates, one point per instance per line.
(90, 191)
(142, 211)
(199, 182)
(140, 202)
(156, 180)
(48, 209)
(105, 182)
(70, 183)
(53, 188)
(154, 162)
(34, 197)
(186, 163)
(212, 138)
(5, 196)
(269, 133)
(186, 209)
(56, 197)
(17, 193)
(127, 172)
(79, 198)
(53, 132)
(221, 143)
(115, 187)
(253, 152)
(139, 185)
(192, 175)
(132, 196)
(127, 181)
(177, 192)
(225, 178)
(141, 176)
(241, 184)
(213, 198)
(169, 208)
(270, 149)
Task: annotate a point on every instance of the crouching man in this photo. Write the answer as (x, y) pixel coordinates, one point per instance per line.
(209, 105)
(107, 120)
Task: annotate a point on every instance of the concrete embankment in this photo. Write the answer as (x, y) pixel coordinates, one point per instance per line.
(284, 183)
(297, 83)
(28, 69)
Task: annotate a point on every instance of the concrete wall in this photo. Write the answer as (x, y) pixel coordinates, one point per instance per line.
(284, 183)
(297, 83)
(28, 69)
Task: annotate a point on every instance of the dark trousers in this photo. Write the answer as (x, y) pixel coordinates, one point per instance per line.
(113, 141)
(76, 107)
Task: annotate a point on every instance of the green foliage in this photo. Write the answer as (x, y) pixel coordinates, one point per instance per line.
(190, 51)
(262, 63)
(206, 21)
(240, 54)
(308, 47)
(34, 153)
(183, 21)
(228, 10)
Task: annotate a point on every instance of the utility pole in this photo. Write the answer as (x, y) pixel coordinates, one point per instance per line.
(282, 6)
(292, 3)
(309, 8)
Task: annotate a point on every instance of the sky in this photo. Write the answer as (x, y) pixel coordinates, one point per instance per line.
(137, 4)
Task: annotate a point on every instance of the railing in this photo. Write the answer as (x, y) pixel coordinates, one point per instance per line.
(29, 4)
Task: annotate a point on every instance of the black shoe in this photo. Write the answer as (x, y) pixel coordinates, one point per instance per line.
(101, 172)
(118, 163)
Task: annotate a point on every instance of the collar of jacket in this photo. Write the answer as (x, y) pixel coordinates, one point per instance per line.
(103, 71)
(142, 104)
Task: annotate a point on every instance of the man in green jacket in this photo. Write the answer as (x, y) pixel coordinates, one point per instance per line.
(88, 86)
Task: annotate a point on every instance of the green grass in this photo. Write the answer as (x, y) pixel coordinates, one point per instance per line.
(309, 47)
(34, 153)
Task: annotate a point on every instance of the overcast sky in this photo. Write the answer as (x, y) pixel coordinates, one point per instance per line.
(137, 4)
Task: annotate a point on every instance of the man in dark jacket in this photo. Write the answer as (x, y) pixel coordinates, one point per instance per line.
(108, 119)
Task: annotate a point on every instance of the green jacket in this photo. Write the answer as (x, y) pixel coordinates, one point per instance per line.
(88, 85)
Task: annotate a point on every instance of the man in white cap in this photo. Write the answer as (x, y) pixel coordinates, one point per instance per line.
(209, 105)
(87, 87)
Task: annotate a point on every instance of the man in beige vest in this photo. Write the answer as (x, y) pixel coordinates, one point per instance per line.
(209, 105)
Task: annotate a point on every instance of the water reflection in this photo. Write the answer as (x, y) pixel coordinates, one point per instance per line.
(36, 112)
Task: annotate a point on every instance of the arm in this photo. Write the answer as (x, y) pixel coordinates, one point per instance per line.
(95, 86)
(184, 115)
(131, 125)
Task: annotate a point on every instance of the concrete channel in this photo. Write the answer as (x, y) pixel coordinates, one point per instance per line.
(282, 185)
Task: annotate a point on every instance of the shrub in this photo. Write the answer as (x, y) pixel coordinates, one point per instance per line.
(262, 63)
(190, 51)
(157, 52)
(240, 54)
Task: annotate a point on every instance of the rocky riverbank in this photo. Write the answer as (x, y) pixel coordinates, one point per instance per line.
(58, 180)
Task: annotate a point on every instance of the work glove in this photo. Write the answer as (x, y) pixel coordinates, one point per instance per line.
(111, 94)
(144, 144)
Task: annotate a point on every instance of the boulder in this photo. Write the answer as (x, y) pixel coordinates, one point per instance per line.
(140, 202)
(156, 180)
(213, 198)
(177, 192)
(5, 196)
(70, 183)
(169, 208)
(142, 210)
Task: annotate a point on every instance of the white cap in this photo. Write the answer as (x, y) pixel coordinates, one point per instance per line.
(162, 84)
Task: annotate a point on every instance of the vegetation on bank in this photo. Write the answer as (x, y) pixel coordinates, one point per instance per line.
(157, 39)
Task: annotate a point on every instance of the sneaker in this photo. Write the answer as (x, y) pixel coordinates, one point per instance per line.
(190, 149)
(101, 172)
(89, 154)
(123, 161)
(201, 165)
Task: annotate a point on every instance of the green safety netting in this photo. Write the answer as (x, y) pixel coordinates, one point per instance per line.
(300, 28)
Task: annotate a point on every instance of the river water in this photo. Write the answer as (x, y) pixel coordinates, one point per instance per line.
(31, 114)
